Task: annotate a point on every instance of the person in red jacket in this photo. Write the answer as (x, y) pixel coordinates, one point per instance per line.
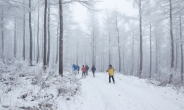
(83, 71)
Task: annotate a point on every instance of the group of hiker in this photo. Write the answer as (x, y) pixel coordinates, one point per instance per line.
(85, 69)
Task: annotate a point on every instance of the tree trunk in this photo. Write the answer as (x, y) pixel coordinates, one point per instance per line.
(2, 30)
(150, 70)
(181, 45)
(30, 32)
(45, 37)
(85, 58)
(93, 47)
(124, 58)
(61, 39)
(132, 71)
(109, 50)
(102, 57)
(77, 51)
(24, 33)
(48, 53)
(15, 38)
(34, 43)
(42, 41)
(57, 44)
(119, 51)
(140, 26)
(156, 62)
(172, 45)
(150, 34)
(176, 46)
(38, 32)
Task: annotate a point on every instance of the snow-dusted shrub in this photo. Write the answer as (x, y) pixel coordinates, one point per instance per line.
(32, 88)
(176, 78)
(70, 87)
(22, 75)
(168, 76)
(163, 76)
(1, 78)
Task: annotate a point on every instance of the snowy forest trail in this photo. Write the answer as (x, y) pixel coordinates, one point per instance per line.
(128, 93)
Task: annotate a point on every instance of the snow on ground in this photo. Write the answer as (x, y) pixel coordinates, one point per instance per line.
(128, 93)
(28, 87)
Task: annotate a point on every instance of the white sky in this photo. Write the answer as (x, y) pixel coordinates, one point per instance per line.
(80, 12)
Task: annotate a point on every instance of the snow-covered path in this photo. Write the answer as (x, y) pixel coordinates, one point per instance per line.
(129, 93)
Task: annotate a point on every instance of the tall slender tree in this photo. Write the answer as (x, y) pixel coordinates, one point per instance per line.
(140, 30)
(133, 59)
(57, 43)
(181, 47)
(118, 37)
(150, 35)
(38, 34)
(45, 37)
(150, 31)
(24, 32)
(48, 52)
(15, 37)
(61, 39)
(30, 32)
(172, 41)
(2, 30)
(109, 36)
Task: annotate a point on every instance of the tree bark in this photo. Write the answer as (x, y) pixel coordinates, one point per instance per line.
(48, 52)
(45, 37)
(61, 39)
(119, 51)
(24, 34)
(150, 70)
(140, 26)
(93, 47)
(109, 49)
(132, 72)
(57, 44)
(77, 53)
(15, 38)
(181, 45)
(38, 33)
(157, 56)
(2, 30)
(30, 32)
(172, 44)
(124, 58)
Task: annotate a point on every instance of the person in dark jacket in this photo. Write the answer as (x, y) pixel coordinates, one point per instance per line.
(78, 68)
(93, 70)
(87, 67)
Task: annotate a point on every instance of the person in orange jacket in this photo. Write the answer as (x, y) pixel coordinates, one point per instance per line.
(83, 71)
(111, 73)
